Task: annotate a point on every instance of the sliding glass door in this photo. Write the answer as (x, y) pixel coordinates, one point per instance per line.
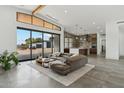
(23, 44)
(32, 44)
(37, 44)
(47, 44)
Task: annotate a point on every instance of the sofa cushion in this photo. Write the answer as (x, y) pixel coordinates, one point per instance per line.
(62, 59)
(76, 54)
(74, 59)
(60, 67)
(56, 62)
(45, 60)
(56, 54)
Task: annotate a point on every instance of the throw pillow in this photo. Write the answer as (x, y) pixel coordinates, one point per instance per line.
(56, 54)
(45, 60)
(40, 58)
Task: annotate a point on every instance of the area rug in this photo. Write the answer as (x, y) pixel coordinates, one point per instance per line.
(65, 80)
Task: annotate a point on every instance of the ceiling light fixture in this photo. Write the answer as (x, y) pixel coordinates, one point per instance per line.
(65, 11)
(51, 17)
(94, 23)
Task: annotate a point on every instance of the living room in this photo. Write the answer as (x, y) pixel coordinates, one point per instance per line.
(61, 46)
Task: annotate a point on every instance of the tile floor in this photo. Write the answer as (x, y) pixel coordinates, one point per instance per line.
(107, 73)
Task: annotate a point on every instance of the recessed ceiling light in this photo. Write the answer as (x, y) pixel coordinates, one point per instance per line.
(51, 17)
(65, 11)
(94, 23)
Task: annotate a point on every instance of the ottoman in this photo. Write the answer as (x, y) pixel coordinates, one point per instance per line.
(61, 69)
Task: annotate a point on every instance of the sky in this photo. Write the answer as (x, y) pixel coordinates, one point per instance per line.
(22, 35)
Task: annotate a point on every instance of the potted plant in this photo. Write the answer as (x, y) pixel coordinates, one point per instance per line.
(8, 59)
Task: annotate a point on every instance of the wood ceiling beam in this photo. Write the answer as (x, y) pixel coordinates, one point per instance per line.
(37, 9)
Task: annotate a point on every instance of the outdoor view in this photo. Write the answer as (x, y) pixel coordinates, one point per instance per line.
(23, 44)
(47, 44)
(31, 44)
(37, 44)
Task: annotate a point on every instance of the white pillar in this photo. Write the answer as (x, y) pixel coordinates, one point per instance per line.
(112, 40)
(98, 44)
(121, 40)
(62, 40)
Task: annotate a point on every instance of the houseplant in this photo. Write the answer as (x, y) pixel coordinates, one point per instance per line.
(8, 59)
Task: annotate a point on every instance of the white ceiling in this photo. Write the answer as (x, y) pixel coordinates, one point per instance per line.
(80, 19)
(26, 7)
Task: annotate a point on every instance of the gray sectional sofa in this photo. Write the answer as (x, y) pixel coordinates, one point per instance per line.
(72, 63)
(63, 63)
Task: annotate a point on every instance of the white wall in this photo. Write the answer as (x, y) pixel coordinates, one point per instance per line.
(121, 42)
(112, 40)
(8, 27)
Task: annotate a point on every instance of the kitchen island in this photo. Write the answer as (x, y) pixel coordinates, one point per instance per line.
(83, 51)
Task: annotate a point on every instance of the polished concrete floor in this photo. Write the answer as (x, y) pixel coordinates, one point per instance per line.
(107, 73)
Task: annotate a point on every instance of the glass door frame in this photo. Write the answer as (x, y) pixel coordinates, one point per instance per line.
(42, 32)
(30, 34)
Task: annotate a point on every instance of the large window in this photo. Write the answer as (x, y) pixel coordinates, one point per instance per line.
(32, 44)
(48, 25)
(27, 18)
(37, 21)
(23, 44)
(37, 44)
(47, 44)
(21, 17)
